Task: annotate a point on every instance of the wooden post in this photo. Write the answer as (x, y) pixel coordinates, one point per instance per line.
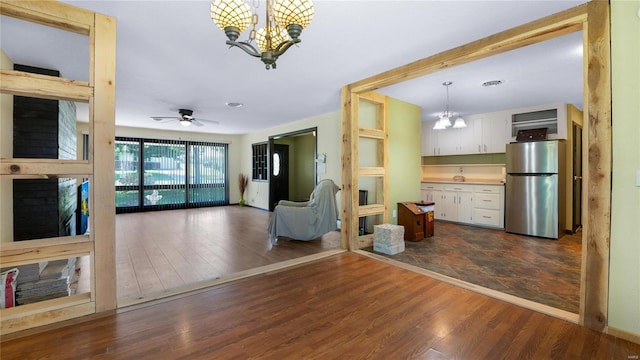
(597, 227)
(347, 171)
(103, 194)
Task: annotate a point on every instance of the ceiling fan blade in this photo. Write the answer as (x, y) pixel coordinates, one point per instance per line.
(161, 118)
(196, 122)
(209, 121)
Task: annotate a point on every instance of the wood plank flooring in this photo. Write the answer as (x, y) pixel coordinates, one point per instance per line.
(541, 270)
(161, 250)
(164, 250)
(347, 306)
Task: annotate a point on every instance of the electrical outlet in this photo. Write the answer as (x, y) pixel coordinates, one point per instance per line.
(461, 170)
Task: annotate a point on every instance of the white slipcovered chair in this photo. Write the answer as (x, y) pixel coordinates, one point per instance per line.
(306, 220)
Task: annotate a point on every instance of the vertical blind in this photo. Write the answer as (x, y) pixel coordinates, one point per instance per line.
(154, 174)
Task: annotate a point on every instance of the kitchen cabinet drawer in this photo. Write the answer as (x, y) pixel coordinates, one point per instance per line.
(486, 217)
(487, 201)
(465, 187)
(430, 186)
(488, 189)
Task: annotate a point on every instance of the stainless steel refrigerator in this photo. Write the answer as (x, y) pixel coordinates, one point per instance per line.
(534, 194)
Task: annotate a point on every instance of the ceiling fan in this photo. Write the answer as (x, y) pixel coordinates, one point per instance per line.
(186, 118)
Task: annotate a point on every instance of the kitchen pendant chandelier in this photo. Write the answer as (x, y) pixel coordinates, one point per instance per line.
(285, 20)
(445, 117)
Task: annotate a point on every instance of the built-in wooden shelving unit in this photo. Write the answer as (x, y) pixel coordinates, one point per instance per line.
(99, 93)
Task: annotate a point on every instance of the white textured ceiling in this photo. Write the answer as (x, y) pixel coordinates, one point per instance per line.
(170, 55)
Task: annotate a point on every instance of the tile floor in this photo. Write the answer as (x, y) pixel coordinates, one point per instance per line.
(542, 270)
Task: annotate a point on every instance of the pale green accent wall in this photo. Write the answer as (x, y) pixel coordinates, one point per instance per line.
(367, 148)
(301, 165)
(329, 143)
(624, 273)
(499, 158)
(405, 129)
(305, 166)
(6, 151)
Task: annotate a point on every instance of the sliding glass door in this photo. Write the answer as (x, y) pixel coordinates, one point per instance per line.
(207, 174)
(156, 174)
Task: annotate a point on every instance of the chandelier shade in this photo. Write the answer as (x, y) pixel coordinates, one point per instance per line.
(288, 12)
(439, 125)
(445, 120)
(231, 14)
(284, 20)
(277, 37)
(459, 123)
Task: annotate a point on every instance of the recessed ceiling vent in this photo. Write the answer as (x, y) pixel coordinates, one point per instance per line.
(492, 83)
(234, 104)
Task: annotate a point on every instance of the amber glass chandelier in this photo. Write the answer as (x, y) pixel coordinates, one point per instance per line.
(284, 19)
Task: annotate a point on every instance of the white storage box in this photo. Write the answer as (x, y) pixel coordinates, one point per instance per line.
(388, 234)
(389, 249)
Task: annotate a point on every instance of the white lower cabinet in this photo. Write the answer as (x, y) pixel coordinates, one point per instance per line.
(488, 205)
(458, 204)
(431, 192)
(481, 205)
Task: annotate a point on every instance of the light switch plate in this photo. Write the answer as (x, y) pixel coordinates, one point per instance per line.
(638, 177)
(395, 213)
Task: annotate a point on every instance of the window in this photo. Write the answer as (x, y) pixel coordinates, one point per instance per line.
(167, 174)
(85, 146)
(259, 162)
(276, 164)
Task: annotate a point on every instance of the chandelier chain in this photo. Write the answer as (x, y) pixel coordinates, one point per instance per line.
(447, 106)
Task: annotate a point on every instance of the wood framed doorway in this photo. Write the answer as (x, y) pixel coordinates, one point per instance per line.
(295, 175)
(593, 19)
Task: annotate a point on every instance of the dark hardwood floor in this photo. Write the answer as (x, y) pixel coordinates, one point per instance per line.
(541, 270)
(347, 306)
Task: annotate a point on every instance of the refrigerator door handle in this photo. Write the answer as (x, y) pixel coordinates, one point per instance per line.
(533, 174)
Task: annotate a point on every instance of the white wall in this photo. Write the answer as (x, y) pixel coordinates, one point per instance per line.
(624, 275)
(329, 143)
(6, 151)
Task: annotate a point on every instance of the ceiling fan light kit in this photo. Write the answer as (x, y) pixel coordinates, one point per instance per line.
(445, 118)
(186, 117)
(284, 19)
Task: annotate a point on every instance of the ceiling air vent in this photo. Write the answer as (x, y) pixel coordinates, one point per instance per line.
(492, 83)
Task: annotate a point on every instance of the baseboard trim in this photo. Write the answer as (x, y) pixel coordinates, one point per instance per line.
(624, 334)
(528, 304)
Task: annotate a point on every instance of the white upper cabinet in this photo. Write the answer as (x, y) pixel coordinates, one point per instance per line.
(553, 117)
(446, 142)
(490, 133)
(429, 139)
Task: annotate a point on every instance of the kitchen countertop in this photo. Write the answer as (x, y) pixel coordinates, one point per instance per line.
(467, 181)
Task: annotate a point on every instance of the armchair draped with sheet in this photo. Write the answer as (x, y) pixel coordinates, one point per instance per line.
(306, 220)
